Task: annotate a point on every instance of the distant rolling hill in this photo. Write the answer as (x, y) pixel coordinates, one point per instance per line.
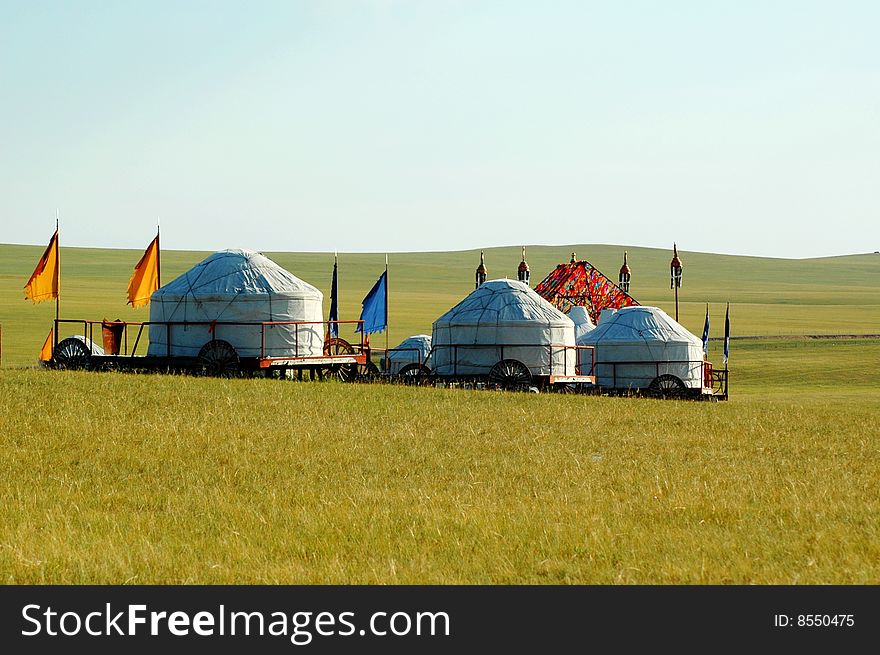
(831, 295)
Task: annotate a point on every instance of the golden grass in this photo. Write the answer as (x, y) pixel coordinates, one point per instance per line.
(114, 478)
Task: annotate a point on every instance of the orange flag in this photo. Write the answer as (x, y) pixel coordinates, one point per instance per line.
(43, 283)
(145, 279)
(46, 350)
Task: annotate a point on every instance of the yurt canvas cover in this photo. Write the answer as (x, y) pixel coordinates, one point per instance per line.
(413, 350)
(582, 321)
(502, 319)
(644, 337)
(237, 286)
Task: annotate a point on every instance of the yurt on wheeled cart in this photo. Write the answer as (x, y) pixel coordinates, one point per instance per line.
(409, 357)
(643, 348)
(505, 335)
(233, 308)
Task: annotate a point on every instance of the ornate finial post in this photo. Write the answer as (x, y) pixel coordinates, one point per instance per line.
(481, 273)
(573, 258)
(624, 277)
(522, 273)
(675, 274)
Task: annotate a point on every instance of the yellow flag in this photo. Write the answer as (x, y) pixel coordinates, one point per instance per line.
(46, 350)
(43, 284)
(145, 279)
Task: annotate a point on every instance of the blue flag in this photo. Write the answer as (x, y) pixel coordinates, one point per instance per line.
(334, 302)
(706, 332)
(375, 311)
(727, 334)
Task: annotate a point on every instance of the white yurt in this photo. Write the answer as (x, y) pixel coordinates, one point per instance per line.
(643, 343)
(582, 321)
(413, 350)
(606, 313)
(236, 286)
(502, 319)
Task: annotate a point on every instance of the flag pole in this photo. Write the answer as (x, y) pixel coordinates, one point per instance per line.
(57, 268)
(334, 297)
(707, 335)
(158, 257)
(387, 321)
(726, 350)
(727, 335)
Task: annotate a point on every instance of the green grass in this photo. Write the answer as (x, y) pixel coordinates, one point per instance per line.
(792, 368)
(114, 478)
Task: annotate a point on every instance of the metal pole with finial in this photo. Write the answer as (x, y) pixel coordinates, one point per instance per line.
(624, 276)
(523, 274)
(675, 273)
(481, 274)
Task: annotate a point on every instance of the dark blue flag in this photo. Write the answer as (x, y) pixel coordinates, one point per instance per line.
(706, 332)
(727, 334)
(375, 311)
(334, 302)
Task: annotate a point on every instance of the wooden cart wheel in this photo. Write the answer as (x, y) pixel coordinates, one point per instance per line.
(510, 374)
(414, 373)
(218, 358)
(341, 372)
(72, 354)
(368, 372)
(337, 346)
(667, 386)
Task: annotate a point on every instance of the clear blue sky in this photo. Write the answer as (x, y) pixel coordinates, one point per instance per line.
(741, 127)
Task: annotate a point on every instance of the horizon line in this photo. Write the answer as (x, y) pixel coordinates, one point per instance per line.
(471, 249)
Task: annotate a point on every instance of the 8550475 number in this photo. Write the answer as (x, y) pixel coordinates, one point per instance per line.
(825, 620)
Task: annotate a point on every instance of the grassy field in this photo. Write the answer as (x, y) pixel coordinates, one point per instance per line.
(118, 478)
(115, 478)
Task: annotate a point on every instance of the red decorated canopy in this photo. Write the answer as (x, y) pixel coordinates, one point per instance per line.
(579, 283)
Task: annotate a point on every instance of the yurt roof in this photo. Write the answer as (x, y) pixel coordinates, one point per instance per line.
(582, 321)
(404, 350)
(639, 324)
(237, 272)
(415, 340)
(579, 283)
(503, 302)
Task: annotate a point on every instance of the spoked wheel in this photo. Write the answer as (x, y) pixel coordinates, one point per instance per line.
(341, 372)
(368, 372)
(72, 354)
(337, 346)
(667, 386)
(218, 358)
(414, 373)
(511, 375)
